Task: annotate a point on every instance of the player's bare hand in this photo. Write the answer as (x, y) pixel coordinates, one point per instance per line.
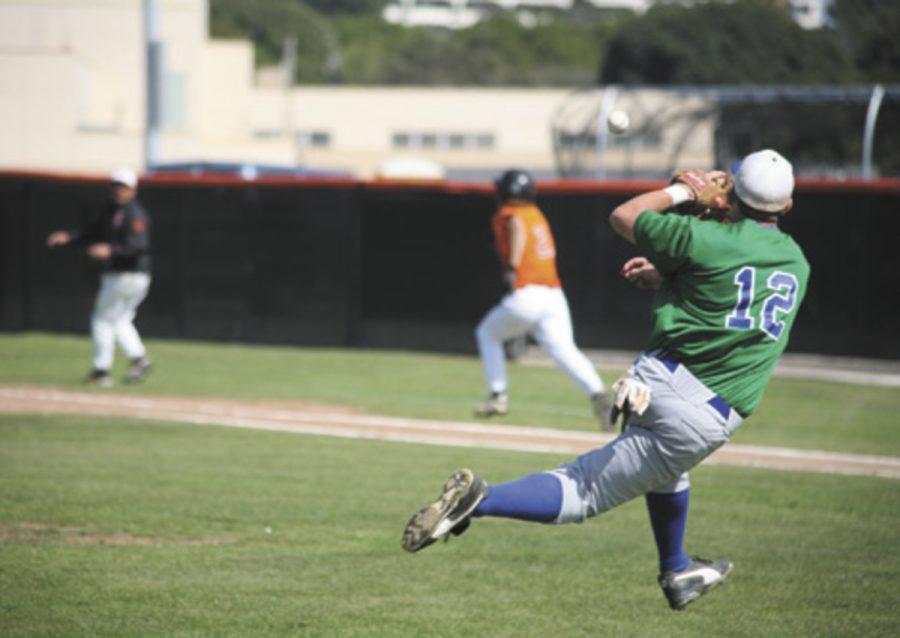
(641, 272)
(100, 251)
(58, 238)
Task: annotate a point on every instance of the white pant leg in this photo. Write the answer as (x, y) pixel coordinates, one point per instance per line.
(134, 290)
(554, 333)
(117, 300)
(103, 331)
(514, 316)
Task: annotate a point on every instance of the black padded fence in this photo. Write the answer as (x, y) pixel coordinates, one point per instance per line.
(412, 266)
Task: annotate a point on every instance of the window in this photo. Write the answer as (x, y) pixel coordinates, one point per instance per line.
(456, 140)
(313, 139)
(401, 140)
(485, 140)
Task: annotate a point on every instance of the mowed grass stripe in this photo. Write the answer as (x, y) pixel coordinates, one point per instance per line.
(142, 528)
(794, 414)
(209, 412)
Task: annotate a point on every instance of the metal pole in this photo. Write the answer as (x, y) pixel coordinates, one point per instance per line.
(869, 134)
(606, 105)
(153, 49)
(289, 68)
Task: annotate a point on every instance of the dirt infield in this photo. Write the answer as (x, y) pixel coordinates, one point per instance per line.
(39, 532)
(330, 420)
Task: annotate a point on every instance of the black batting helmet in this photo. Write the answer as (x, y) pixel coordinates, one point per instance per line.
(516, 184)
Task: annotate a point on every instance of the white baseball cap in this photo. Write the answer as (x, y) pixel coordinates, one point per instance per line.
(124, 176)
(764, 180)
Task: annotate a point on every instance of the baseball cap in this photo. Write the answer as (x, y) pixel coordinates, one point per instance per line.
(764, 180)
(124, 176)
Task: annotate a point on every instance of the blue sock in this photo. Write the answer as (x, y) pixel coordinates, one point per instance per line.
(668, 517)
(536, 497)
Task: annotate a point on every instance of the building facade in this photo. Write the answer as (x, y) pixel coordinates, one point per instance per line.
(73, 99)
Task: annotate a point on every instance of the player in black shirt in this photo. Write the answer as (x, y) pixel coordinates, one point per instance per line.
(120, 237)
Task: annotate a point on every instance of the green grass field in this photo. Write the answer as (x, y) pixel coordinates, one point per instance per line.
(112, 527)
(794, 413)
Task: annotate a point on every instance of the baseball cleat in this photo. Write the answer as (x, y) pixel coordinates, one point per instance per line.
(496, 404)
(138, 369)
(603, 404)
(450, 513)
(684, 587)
(100, 378)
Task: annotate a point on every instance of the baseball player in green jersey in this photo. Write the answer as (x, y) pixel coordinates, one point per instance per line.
(726, 295)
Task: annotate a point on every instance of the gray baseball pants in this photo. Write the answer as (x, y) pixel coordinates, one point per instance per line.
(685, 423)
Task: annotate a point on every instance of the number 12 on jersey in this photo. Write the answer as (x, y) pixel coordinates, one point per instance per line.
(782, 301)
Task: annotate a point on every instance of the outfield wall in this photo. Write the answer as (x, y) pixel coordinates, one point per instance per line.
(377, 264)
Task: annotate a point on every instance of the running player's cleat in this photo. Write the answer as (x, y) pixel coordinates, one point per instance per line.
(100, 378)
(603, 403)
(496, 404)
(684, 587)
(451, 512)
(138, 369)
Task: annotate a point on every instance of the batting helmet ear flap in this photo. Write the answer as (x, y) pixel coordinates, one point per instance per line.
(516, 184)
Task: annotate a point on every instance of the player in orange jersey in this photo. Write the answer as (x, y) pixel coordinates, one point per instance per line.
(534, 304)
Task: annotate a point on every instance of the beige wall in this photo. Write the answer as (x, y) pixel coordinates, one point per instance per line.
(362, 122)
(72, 99)
(68, 84)
(72, 78)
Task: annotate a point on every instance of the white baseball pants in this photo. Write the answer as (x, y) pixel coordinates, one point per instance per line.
(544, 313)
(114, 309)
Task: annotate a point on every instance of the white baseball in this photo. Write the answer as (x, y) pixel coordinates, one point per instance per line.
(618, 122)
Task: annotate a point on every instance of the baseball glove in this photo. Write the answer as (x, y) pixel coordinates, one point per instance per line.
(713, 194)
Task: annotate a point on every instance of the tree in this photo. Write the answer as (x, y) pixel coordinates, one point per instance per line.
(496, 51)
(742, 42)
(269, 22)
(366, 43)
(347, 6)
(869, 32)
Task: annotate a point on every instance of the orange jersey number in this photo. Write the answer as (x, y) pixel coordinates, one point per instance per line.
(537, 265)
